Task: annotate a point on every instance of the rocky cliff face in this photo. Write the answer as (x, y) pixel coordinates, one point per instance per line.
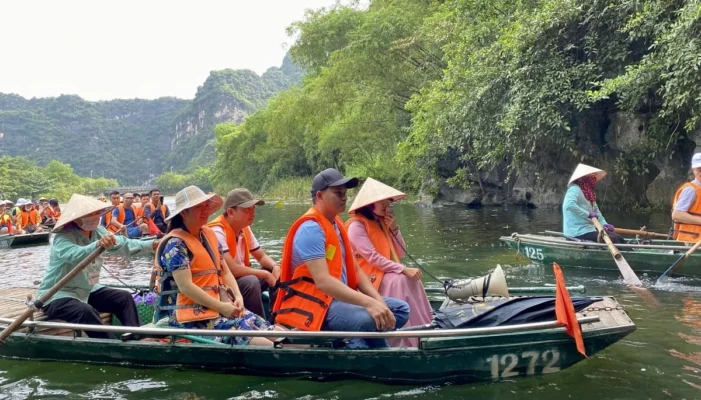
(226, 96)
(603, 137)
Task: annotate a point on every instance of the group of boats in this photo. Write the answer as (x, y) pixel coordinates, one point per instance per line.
(540, 345)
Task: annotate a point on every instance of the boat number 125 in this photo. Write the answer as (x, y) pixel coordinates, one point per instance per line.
(505, 365)
(533, 254)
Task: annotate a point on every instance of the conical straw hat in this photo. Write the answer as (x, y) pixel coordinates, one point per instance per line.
(78, 207)
(584, 170)
(192, 196)
(372, 191)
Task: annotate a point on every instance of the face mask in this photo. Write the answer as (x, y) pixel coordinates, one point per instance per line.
(89, 223)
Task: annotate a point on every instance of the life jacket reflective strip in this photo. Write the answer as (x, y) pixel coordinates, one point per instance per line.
(381, 241)
(205, 267)
(122, 215)
(300, 304)
(28, 218)
(220, 221)
(695, 209)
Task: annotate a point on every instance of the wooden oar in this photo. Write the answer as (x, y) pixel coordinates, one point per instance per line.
(645, 234)
(663, 278)
(629, 276)
(51, 292)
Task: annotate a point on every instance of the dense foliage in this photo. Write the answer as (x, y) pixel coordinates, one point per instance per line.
(410, 89)
(172, 182)
(20, 177)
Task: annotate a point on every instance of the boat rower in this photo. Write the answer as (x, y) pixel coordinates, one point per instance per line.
(686, 206)
(81, 300)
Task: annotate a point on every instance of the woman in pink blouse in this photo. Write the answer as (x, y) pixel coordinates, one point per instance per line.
(378, 246)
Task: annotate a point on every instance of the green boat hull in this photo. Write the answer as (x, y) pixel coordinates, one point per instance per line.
(35, 239)
(574, 254)
(465, 359)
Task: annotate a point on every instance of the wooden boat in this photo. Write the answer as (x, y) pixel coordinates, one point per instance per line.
(30, 239)
(653, 256)
(455, 355)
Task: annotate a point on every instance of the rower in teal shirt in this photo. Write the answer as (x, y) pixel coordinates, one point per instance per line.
(82, 299)
(579, 206)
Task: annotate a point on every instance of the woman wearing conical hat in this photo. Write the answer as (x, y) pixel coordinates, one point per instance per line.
(579, 206)
(378, 246)
(197, 289)
(82, 300)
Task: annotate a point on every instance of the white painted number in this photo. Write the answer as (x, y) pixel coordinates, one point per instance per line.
(505, 366)
(533, 254)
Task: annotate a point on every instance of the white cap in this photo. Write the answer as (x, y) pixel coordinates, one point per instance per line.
(696, 161)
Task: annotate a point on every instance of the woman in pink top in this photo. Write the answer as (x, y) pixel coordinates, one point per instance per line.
(378, 246)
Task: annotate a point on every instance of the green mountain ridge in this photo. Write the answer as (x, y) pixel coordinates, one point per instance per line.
(135, 140)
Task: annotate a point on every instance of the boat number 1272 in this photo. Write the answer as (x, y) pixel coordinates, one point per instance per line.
(508, 365)
(533, 254)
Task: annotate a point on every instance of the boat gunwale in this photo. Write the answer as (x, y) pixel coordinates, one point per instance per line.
(564, 244)
(427, 333)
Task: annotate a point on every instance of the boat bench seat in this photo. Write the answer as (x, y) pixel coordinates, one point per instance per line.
(41, 317)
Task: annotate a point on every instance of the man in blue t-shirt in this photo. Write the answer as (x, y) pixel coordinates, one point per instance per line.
(362, 310)
(132, 225)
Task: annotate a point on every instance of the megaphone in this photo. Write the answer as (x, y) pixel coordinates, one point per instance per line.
(494, 283)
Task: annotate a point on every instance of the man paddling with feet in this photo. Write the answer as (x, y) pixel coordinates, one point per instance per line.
(82, 299)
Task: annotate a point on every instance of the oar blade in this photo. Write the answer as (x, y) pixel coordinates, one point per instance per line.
(629, 277)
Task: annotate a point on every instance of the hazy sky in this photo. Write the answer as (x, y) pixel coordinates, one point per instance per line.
(102, 50)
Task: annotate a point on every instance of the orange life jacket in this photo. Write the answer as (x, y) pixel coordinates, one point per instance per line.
(162, 207)
(205, 267)
(28, 218)
(220, 221)
(108, 219)
(49, 212)
(300, 303)
(381, 241)
(695, 209)
(122, 215)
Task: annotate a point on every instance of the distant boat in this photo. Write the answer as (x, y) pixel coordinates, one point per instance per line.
(30, 239)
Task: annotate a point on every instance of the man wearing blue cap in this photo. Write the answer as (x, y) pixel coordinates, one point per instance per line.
(321, 287)
(686, 208)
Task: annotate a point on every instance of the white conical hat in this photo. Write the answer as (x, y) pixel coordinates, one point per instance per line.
(584, 170)
(192, 196)
(78, 207)
(372, 191)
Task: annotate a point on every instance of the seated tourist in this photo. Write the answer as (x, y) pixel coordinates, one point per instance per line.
(321, 287)
(28, 219)
(157, 212)
(127, 219)
(233, 230)
(78, 234)
(378, 246)
(5, 219)
(197, 289)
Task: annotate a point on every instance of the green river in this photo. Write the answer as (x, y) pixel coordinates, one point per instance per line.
(661, 360)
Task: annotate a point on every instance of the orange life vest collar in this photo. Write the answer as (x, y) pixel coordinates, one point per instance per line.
(300, 303)
(231, 238)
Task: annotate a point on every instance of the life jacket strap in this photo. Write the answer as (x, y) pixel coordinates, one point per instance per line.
(310, 316)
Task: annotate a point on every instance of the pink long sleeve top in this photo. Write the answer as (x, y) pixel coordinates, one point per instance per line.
(362, 244)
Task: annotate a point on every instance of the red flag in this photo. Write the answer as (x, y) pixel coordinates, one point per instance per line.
(152, 228)
(564, 310)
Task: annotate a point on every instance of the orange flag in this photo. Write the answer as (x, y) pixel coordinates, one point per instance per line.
(564, 310)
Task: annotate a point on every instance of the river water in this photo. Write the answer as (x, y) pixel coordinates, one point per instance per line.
(661, 360)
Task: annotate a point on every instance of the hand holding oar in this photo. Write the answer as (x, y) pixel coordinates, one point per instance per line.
(663, 278)
(50, 293)
(629, 276)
